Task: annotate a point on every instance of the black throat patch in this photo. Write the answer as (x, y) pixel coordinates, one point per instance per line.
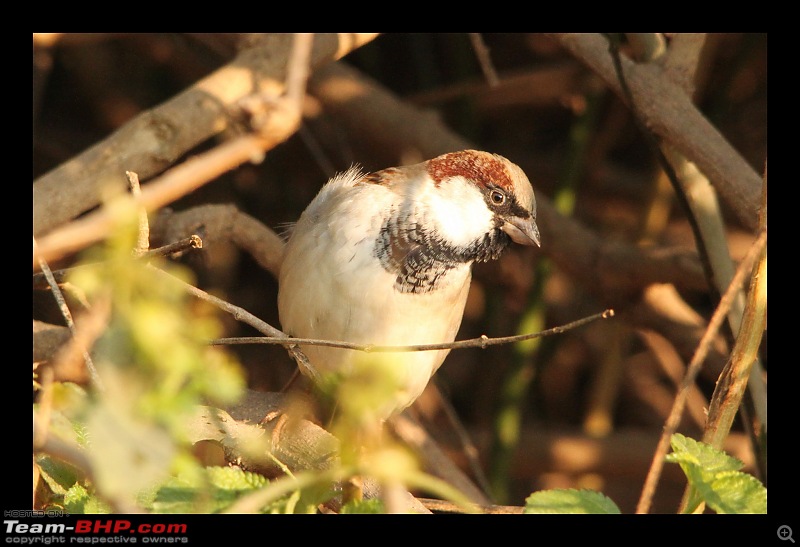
(421, 260)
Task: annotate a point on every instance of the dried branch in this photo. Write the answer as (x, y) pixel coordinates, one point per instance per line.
(741, 370)
(177, 182)
(222, 225)
(79, 340)
(484, 59)
(143, 233)
(158, 137)
(693, 369)
(672, 116)
(193, 241)
(483, 342)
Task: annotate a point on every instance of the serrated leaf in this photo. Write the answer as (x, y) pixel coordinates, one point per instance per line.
(570, 501)
(210, 491)
(734, 492)
(372, 506)
(688, 450)
(233, 478)
(59, 475)
(715, 478)
(78, 500)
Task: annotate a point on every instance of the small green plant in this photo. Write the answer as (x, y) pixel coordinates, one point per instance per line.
(153, 367)
(570, 501)
(714, 479)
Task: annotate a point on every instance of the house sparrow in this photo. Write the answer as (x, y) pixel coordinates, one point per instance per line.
(385, 258)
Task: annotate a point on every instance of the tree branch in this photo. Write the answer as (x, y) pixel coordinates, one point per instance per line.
(671, 115)
(157, 138)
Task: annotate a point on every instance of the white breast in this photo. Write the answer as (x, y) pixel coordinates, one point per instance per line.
(333, 287)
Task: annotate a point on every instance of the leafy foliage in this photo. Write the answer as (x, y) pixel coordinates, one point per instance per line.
(209, 491)
(78, 500)
(154, 367)
(370, 506)
(570, 501)
(715, 478)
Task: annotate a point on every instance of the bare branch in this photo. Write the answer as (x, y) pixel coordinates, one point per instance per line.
(483, 342)
(143, 233)
(188, 243)
(485, 60)
(675, 118)
(745, 267)
(156, 139)
(67, 315)
(223, 225)
(177, 182)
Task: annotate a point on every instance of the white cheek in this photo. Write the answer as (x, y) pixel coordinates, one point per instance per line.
(460, 212)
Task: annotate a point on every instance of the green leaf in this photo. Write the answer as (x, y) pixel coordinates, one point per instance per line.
(692, 452)
(570, 501)
(372, 506)
(715, 478)
(59, 475)
(78, 500)
(734, 492)
(235, 479)
(210, 491)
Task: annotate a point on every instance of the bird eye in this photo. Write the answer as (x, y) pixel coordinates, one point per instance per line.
(497, 197)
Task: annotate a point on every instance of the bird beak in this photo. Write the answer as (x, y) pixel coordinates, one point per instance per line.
(522, 230)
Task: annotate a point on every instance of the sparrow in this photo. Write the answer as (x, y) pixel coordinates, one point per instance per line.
(385, 258)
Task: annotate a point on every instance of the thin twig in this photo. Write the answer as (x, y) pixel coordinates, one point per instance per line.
(143, 233)
(467, 445)
(185, 244)
(188, 243)
(671, 424)
(298, 68)
(484, 59)
(442, 506)
(481, 342)
(62, 305)
(240, 314)
(675, 118)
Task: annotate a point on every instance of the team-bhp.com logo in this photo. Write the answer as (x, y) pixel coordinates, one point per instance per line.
(85, 531)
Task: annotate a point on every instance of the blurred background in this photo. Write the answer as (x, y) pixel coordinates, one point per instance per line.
(586, 406)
